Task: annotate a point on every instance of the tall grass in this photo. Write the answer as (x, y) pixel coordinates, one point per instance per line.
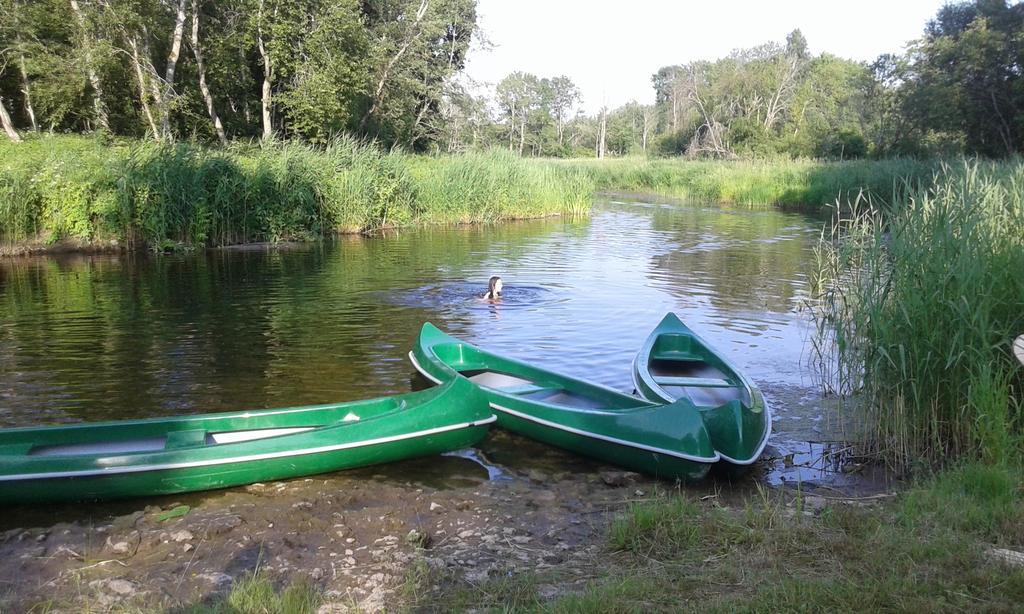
(796, 183)
(922, 305)
(141, 193)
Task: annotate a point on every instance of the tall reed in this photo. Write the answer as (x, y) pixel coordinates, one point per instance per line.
(796, 183)
(143, 193)
(922, 301)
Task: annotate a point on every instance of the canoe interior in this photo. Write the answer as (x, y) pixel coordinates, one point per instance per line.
(177, 439)
(197, 431)
(685, 368)
(530, 389)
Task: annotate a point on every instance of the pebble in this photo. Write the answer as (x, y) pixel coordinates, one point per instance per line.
(181, 535)
(121, 587)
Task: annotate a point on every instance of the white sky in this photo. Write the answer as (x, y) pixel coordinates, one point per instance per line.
(611, 49)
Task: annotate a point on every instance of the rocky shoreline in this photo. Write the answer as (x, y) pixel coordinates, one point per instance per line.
(357, 536)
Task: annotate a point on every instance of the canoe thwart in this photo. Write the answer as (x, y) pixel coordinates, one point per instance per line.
(696, 382)
(185, 439)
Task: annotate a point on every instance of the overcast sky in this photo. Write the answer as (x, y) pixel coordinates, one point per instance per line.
(611, 49)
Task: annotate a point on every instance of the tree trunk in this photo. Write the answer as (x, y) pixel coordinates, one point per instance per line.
(172, 64)
(268, 78)
(140, 75)
(201, 68)
(411, 35)
(99, 108)
(27, 91)
(511, 125)
(5, 119)
(522, 134)
(602, 131)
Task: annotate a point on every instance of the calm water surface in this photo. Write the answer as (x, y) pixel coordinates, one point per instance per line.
(105, 337)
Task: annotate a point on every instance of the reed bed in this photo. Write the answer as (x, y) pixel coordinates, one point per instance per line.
(921, 304)
(165, 196)
(792, 183)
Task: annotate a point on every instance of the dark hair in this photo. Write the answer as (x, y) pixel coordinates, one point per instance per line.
(493, 281)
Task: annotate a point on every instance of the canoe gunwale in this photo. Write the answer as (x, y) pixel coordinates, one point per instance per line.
(298, 451)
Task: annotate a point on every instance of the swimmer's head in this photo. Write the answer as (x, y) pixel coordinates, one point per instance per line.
(494, 287)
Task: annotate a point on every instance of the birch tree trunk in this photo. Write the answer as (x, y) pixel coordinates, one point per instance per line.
(5, 119)
(140, 75)
(98, 107)
(172, 64)
(27, 91)
(204, 88)
(268, 78)
(522, 133)
(601, 133)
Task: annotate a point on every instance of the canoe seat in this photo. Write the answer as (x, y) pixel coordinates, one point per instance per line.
(15, 449)
(675, 355)
(185, 439)
(524, 389)
(696, 382)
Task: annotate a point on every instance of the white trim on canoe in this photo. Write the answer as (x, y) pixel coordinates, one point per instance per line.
(569, 429)
(767, 415)
(241, 459)
(621, 442)
(423, 372)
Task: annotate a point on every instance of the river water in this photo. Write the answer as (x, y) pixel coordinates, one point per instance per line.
(86, 338)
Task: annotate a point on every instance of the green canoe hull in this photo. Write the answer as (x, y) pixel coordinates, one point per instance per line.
(138, 458)
(675, 363)
(668, 441)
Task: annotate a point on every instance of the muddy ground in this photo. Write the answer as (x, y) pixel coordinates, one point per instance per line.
(512, 506)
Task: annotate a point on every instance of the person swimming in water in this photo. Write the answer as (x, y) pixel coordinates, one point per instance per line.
(493, 289)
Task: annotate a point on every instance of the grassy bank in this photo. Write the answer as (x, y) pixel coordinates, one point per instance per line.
(921, 304)
(796, 183)
(89, 192)
(929, 549)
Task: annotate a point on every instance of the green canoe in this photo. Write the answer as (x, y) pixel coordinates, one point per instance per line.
(663, 440)
(135, 458)
(674, 363)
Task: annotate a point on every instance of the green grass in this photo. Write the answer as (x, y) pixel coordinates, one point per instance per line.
(257, 595)
(144, 194)
(795, 183)
(922, 551)
(920, 303)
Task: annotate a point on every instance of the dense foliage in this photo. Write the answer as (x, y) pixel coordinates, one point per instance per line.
(390, 70)
(161, 195)
(232, 68)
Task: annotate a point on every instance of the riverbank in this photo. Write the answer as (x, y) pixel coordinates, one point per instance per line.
(561, 534)
(73, 193)
(799, 184)
(77, 192)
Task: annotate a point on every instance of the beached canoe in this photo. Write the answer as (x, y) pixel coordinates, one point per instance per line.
(663, 440)
(674, 363)
(133, 458)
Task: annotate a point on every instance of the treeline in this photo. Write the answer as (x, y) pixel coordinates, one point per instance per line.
(959, 89)
(222, 69)
(390, 71)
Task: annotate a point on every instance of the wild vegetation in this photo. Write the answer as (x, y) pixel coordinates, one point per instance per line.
(923, 300)
(805, 184)
(777, 552)
(167, 195)
(390, 71)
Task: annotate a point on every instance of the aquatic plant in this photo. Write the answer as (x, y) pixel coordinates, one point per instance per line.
(165, 195)
(921, 303)
(797, 183)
